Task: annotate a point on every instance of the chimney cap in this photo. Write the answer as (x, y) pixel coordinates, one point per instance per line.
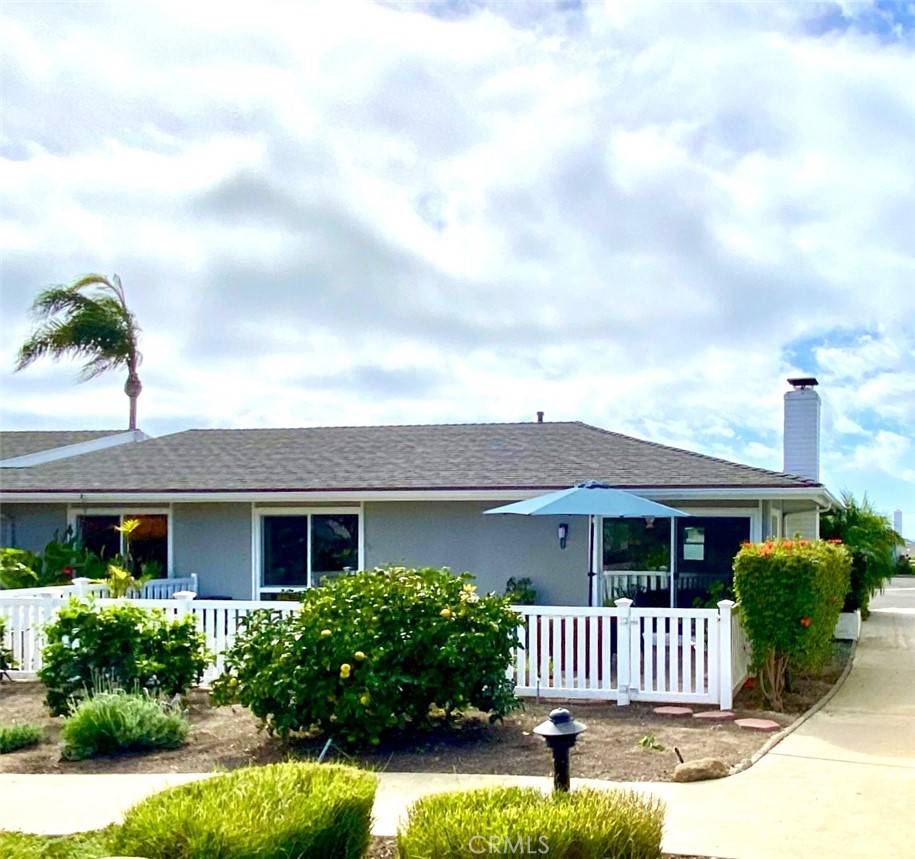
(539, 417)
(803, 382)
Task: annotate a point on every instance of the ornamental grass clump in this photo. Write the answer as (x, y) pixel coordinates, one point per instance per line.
(584, 824)
(375, 653)
(119, 721)
(81, 845)
(21, 736)
(127, 645)
(791, 593)
(281, 811)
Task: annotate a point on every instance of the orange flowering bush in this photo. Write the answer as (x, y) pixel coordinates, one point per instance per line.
(790, 593)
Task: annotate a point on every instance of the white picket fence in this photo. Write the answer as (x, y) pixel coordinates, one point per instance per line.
(621, 654)
(624, 653)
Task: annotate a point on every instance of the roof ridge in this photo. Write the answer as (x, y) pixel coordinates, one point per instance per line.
(382, 426)
(705, 456)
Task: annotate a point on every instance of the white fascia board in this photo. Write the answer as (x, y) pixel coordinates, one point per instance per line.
(817, 494)
(69, 450)
(767, 493)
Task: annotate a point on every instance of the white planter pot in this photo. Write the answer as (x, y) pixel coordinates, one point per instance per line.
(848, 627)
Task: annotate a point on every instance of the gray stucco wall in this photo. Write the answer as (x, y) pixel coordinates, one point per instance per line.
(493, 548)
(214, 541)
(32, 526)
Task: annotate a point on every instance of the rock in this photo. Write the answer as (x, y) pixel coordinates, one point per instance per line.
(700, 770)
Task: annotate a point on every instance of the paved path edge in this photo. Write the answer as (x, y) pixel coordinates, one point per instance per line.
(773, 741)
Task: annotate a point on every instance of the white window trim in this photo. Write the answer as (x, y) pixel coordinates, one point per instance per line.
(258, 514)
(73, 513)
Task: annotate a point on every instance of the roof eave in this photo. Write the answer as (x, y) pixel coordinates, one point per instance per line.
(816, 493)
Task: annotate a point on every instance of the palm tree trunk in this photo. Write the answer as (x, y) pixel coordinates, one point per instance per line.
(132, 388)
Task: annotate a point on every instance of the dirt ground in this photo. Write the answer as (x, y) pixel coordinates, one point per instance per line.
(621, 743)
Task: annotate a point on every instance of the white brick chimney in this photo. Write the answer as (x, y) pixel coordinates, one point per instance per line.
(802, 429)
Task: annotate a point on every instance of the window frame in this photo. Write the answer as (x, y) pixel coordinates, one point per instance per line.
(257, 542)
(74, 513)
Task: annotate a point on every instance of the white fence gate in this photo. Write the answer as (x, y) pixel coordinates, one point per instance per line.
(618, 654)
(627, 654)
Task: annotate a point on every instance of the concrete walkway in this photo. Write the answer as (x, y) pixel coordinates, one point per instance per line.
(842, 785)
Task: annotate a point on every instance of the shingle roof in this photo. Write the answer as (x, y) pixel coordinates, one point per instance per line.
(16, 443)
(458, 456)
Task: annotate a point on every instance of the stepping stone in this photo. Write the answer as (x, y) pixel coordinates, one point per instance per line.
(766, 726)
(673, 711)
(715, 716)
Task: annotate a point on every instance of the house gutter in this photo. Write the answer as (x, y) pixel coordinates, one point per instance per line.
(817, 494)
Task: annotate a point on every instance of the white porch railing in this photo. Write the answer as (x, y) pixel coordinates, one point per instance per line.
(625, 583)
(151, 589)
(619, 654)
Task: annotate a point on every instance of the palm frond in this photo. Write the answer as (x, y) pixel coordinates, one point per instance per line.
(58, 299)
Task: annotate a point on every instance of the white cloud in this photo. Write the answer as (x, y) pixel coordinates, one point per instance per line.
(354, 213)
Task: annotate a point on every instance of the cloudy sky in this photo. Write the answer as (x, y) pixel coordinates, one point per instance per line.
(640, 215)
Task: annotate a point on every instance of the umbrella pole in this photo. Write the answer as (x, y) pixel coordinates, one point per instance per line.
(591, 561)
(673, 562)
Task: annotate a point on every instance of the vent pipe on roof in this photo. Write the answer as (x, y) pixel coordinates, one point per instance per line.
(802, 429)
(539, 417)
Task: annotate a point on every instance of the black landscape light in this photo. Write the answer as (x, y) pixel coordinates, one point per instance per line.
(560, 732)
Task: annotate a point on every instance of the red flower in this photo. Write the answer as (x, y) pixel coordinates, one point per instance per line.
(68, 572)
(805, 622)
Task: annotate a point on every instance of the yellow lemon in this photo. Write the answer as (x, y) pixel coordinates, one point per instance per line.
(365, 700)
(325, 633)
(358, 656)
(445, 613)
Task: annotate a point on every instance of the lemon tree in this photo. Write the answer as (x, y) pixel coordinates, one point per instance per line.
(375, 653)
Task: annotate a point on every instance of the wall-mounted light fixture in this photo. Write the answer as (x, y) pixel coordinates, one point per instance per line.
(563, 534)
(649, 522)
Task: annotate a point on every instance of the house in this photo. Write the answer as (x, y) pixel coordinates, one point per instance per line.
(256, 512)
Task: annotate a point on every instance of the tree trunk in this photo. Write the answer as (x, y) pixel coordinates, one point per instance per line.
(132, 388)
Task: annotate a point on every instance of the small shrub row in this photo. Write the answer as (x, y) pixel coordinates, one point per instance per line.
(15, 737)
(584, 824)
(126, 645)
(117, 721)
(315, 811)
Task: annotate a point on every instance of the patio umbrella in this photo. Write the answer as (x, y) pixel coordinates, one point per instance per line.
(594, 499)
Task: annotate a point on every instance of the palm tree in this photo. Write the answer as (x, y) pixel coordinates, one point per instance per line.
(98, 327)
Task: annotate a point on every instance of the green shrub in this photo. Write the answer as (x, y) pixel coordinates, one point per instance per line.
(7, 662)
(521, 591)
(612, 824)
(14, 737)
(125, 645)
(118, 721)
(284, 811)
(371, 653)
(872, 542)
(82, 845)
(790, 594)
(63, 559)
